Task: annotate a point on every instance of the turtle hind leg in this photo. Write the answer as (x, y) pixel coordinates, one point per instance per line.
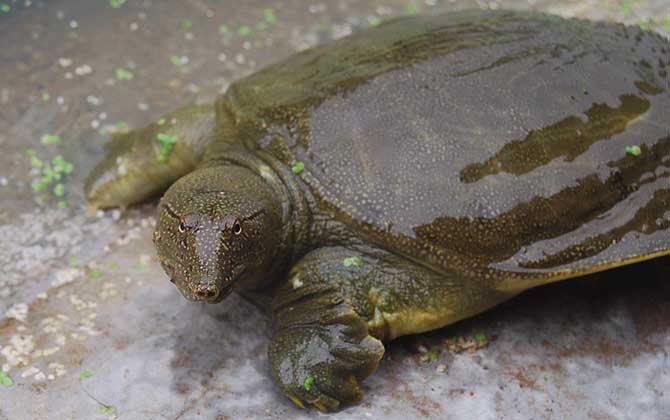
(144, 162)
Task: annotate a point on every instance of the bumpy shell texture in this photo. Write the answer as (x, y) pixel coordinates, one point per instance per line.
(489, 143)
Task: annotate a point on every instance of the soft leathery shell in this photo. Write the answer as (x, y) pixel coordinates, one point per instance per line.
(493, 144)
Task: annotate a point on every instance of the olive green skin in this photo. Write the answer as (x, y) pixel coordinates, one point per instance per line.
(459, 159)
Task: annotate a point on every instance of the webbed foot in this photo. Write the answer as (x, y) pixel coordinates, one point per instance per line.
(322, 348)
(323, 365)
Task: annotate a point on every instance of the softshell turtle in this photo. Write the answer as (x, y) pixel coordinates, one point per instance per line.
(406, 177)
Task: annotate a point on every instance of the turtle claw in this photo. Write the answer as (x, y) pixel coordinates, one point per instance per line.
(323, 408)
(323, 403)
(330, 398)
(297, 401)
(311, 367)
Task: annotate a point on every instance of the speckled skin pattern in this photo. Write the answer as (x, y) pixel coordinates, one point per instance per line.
(450, 162)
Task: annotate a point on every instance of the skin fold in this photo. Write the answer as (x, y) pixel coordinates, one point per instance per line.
(406, 177)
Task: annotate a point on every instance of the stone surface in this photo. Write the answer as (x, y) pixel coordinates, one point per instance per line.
(91, 328)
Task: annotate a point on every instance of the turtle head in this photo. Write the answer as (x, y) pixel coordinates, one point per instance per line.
(217, 227)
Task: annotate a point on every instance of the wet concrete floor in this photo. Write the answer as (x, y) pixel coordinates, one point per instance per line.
(91, 328)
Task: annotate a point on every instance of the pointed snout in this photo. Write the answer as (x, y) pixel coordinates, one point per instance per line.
(207, 292)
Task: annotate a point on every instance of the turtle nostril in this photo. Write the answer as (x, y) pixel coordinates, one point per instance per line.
(207, 292)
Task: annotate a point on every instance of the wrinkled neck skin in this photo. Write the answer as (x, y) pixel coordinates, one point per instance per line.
(295, 216)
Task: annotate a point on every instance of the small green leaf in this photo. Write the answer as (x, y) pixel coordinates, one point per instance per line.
(434, 353)
(352, 261)
(244, 30)
(121, 126)
(374, 21)
(46, 97)
(223, 29)
(123, 74)
(166, 138)
(269, 15)
(411, 9)
(298, 167)
(186, 24)
(161, 121)
(50, 139)
(114, 265)
(167, 141)
(36, 162)
(633, 150)
(62, 204)
(85, 374)
(480, 338)
(60, 165)
(116, 4)
(59, 190)
(647, 25)
(176, 60)
(39, 185)
(96, 274)
(627, 6)
(5, 380)
(5, 8)
(140, 266)
(105, 409)
(309, 382)
(49, 174)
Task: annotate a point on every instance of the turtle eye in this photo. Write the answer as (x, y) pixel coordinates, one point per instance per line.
(232, 223)
(237, 228)
(181, 227)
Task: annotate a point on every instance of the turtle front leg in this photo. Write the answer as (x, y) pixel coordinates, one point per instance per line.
(321, 348)
(144, 162)
(338, 303)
